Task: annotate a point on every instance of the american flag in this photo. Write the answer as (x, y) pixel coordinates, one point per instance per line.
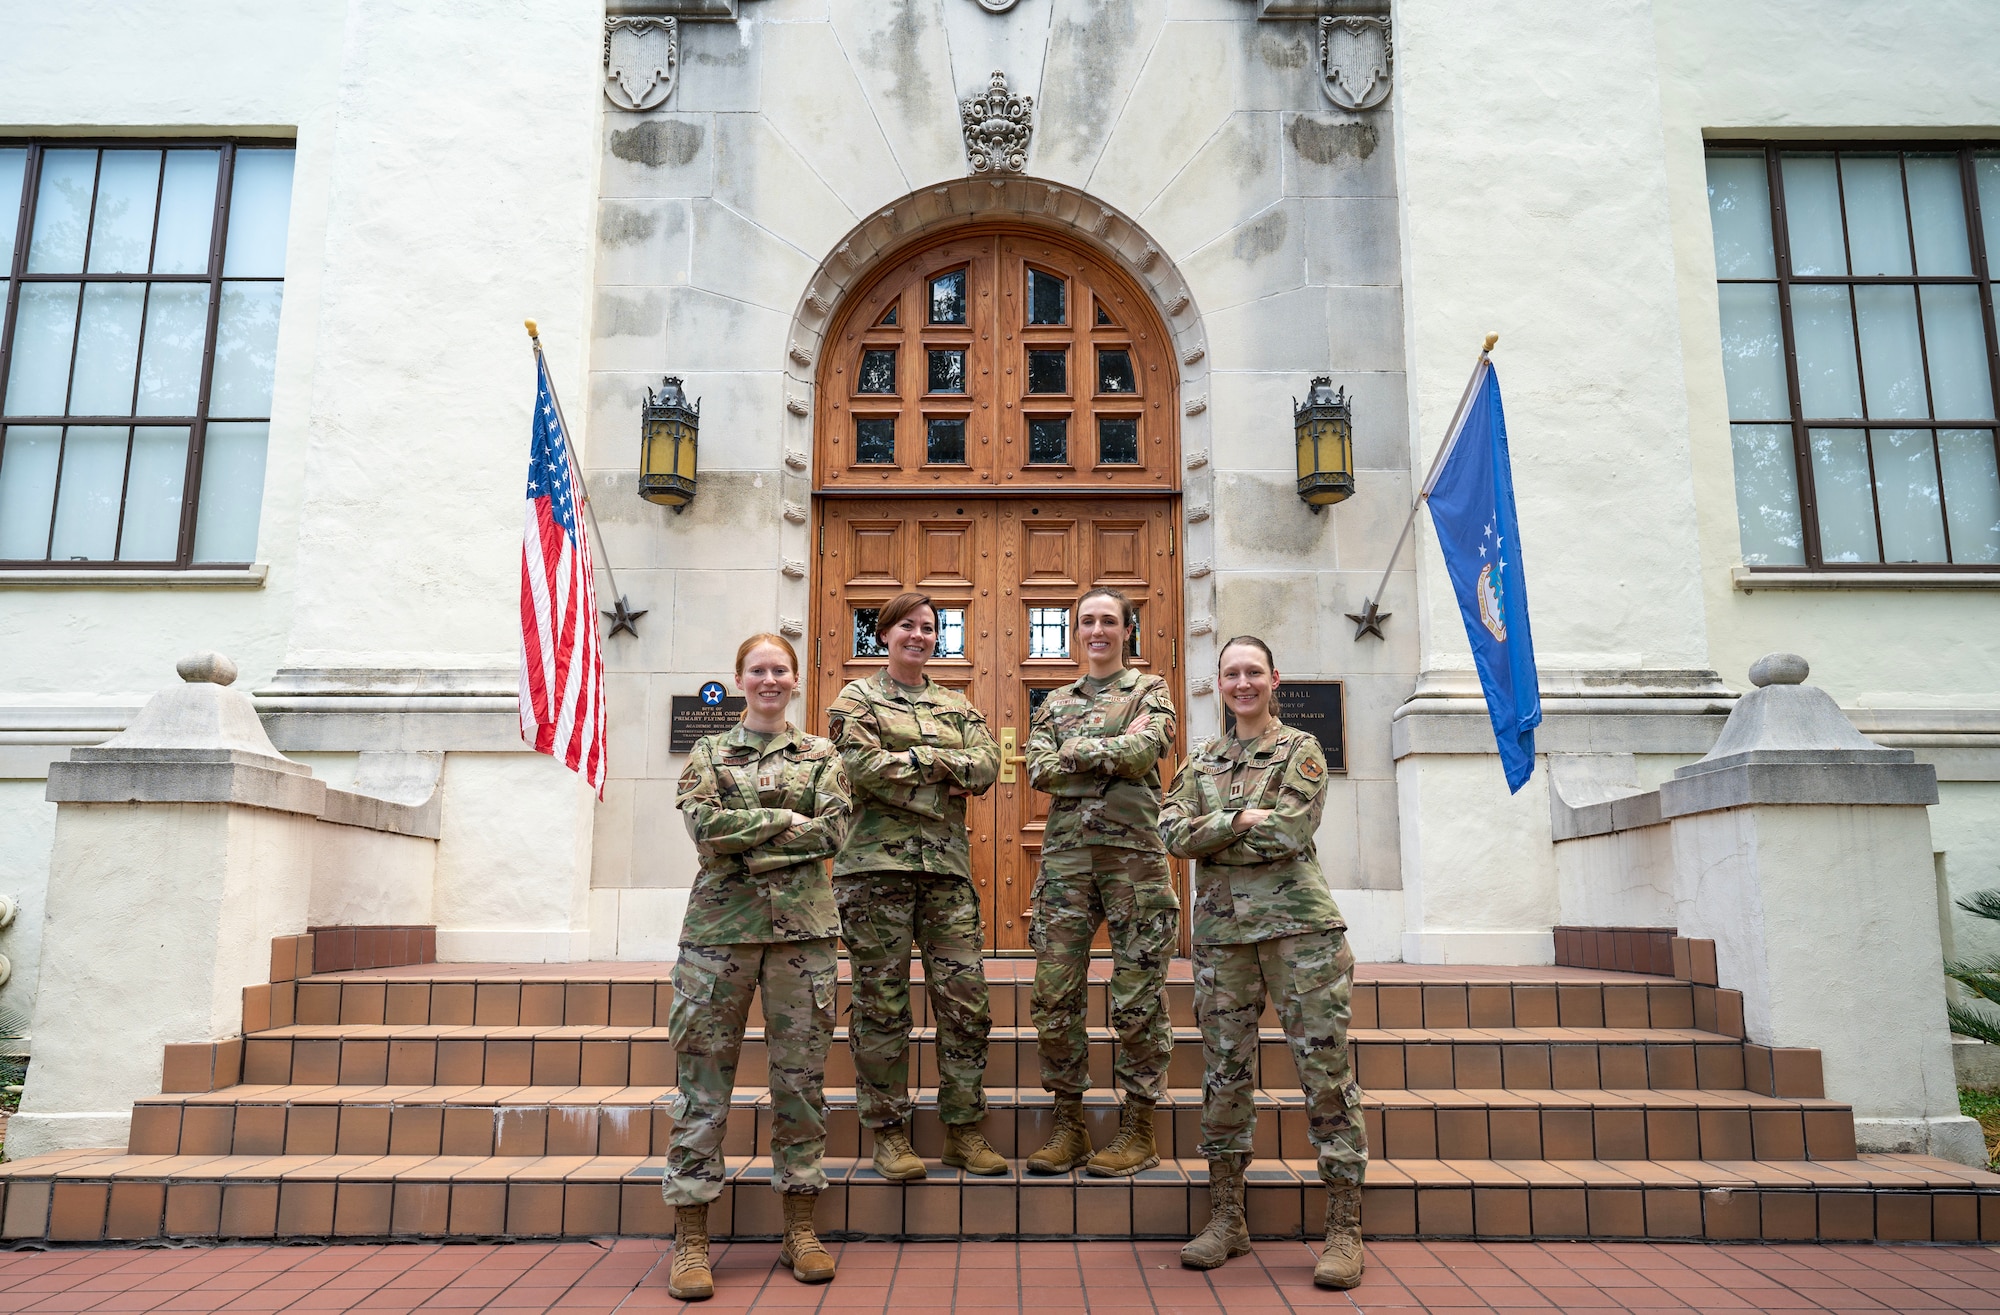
(562, 670)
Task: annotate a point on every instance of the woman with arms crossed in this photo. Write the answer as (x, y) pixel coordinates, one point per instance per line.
(1095, 745)
(914, 751)
(1246, 805)
(767, 806)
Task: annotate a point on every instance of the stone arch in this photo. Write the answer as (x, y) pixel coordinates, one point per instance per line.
(933, 212)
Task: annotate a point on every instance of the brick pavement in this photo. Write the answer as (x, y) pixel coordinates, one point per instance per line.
(1032, 1278)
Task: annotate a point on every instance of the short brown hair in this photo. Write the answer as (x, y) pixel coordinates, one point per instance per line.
(765, 637)
(1126, 608)
(899, 607)
(1250, 640)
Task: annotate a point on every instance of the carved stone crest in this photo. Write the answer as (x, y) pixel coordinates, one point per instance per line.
(997, 127)
(1355, 56)
(997, 6)
(642, 59)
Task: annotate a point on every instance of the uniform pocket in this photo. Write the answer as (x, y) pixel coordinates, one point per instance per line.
(824, 992)
(898, 730)
(691, 1020)
(1322, 988)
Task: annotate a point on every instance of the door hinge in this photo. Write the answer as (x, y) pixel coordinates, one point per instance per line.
(822, 537)
(1177, 654)
(1173, 540)
(819, 651)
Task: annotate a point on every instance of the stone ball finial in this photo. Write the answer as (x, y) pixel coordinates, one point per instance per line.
(206, 669)
(1779, 669)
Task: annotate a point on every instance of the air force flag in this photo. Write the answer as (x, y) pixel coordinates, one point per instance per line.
(1472, 509)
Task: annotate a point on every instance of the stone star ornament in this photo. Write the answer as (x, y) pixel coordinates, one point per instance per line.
(622, 617)
(1368, 621)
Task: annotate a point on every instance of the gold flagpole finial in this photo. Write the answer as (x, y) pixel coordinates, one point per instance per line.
(1491, 338)
(533, 334)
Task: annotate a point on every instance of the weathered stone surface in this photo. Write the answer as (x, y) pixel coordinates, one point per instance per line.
(1788, 743)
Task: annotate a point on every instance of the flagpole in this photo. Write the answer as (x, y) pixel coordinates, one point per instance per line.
(569, 451)
(1369, 617)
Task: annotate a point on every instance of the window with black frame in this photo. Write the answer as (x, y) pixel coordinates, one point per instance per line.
(1859, 353)
(138, 349)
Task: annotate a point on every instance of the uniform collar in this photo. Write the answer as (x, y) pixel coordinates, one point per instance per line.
(1126, 678)
(1238, 749)
(739, 737)
(888, 687)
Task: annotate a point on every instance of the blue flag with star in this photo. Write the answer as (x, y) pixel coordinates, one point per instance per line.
(1472, 509)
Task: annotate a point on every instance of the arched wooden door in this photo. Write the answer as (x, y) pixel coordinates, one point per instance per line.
(998, 427)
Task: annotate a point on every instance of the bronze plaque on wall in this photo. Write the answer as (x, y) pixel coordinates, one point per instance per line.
(1314, 706)
(692, 716)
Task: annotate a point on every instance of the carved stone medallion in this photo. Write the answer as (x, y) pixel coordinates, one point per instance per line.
(642, 59)
(997, 127)
(1355, 56)
(997, 6)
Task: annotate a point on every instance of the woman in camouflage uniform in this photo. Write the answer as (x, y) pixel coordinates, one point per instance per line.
(1095, 745)
(915, 751)
(767, 806)
(1246, 805)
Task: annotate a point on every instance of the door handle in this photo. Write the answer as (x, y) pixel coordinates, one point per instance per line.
(1007, 755)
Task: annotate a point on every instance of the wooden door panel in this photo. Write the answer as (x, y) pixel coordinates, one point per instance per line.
(1127, 543)
(1048, 554)
(945, 556)
(875, 553)
(1052, 370)
(1120, 552)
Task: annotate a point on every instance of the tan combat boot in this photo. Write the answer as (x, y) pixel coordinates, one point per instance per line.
(1227, 1233)
(965, 1148)
(810, 1261)
(690, 1279)
(1069, 1145)
(895, 1159)
(1132, 1149)
(1340, 1264)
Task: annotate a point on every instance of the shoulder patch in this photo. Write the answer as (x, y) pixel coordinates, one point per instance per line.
(1311, 768)
(690, 777)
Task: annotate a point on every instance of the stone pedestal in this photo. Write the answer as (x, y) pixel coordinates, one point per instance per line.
(1804, 851)
(182, 847)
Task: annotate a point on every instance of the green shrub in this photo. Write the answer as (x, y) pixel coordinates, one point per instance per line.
(1980, 978)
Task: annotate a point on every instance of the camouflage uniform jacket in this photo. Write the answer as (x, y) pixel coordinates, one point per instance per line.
(904, 749)
(1106, 783)
(1264, 882)
(761, 878)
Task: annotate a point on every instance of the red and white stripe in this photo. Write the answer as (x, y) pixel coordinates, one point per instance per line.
(562, 669)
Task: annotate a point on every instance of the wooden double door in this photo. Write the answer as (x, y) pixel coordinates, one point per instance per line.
(1006, 574)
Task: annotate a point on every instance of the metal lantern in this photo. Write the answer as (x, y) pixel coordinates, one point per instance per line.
(1324, 428)
(666, 446)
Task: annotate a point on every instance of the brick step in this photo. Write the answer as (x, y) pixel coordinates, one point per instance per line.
(90, 1196)
(640, 995)
(1402, 1124)
(590, 1055)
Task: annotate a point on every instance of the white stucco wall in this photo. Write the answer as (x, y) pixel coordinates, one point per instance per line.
(444, 192)
(1536, 206)
(172, 905)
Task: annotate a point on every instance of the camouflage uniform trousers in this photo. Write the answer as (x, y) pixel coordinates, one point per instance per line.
(712, 989)
(881, 915)
(1311, 977)
(1078, 890)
